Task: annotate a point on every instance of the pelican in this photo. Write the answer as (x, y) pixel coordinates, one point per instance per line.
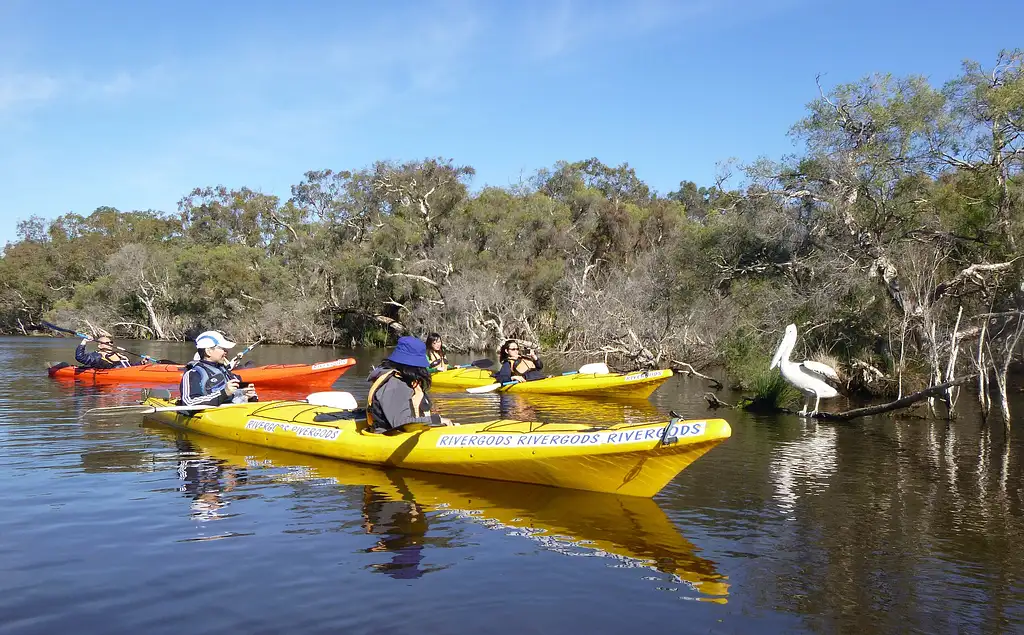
(807, 376)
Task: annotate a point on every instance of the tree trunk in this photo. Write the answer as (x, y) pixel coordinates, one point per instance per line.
(154, 322)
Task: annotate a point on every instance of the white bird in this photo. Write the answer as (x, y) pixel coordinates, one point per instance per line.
(809, 377)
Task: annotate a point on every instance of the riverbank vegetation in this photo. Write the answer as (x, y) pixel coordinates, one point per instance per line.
(892, 239)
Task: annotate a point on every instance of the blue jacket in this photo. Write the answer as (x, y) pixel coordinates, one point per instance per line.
(203, 383)
(113, 359)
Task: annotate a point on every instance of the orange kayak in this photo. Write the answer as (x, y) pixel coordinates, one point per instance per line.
(314, 376)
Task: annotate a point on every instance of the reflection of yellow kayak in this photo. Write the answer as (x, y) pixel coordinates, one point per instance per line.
(572, 408)
(630, 531)
(636, 459)
(640, 384)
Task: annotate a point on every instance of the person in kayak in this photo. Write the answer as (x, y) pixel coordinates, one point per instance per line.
(398, 389)
(435, 353)
(105, 355)
(516, 367)
(208, 381)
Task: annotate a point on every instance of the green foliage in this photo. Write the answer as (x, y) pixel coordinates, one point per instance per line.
(901, 187)
(771, 393)
(745, 357)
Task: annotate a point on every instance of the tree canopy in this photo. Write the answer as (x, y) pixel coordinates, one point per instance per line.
(892, 237)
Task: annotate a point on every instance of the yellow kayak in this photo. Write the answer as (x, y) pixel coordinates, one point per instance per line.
(628, 531)
(634, 459)
(638, 384)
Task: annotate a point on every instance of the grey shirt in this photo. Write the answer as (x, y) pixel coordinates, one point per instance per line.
(392, 403)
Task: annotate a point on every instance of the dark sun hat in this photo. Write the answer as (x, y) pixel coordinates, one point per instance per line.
(410, 351)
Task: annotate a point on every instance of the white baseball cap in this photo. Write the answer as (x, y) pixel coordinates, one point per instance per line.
(209, 339)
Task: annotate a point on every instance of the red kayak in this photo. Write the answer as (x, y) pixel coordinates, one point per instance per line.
(312, 376)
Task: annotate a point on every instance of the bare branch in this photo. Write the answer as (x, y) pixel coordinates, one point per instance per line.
(856, 413)
(973, 274)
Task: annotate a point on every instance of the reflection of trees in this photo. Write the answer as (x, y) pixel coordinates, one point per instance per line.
(889, 526)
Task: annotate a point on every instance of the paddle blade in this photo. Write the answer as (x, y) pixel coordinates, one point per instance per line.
(63, 330)
(476, 390)
(482, 363)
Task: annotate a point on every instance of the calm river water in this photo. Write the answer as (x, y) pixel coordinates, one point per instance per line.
(879, 526)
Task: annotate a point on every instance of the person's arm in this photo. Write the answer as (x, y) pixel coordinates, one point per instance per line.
(88, 359)
(538, 365)
(504, 374)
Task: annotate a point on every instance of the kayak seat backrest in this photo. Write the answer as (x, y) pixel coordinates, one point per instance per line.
(333, 399)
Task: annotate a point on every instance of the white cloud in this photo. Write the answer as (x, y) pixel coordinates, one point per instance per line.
(564, 26)
(26, 89)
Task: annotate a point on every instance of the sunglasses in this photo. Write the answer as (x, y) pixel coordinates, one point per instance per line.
(512, 348)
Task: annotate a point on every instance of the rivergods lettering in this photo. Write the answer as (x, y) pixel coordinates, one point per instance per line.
(568, 439)
(309, 432)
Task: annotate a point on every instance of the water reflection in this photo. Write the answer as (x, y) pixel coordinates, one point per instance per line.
(909, 526)
(402, 527)
(803, 466)
(206, 481)
(561, 408)
(116, 394)
(400, 506)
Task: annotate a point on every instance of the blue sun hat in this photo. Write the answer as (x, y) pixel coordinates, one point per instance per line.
(410, 351)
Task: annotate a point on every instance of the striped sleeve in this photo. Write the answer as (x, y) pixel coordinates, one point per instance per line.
(192, 391)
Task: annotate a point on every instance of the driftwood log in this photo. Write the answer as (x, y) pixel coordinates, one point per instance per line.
(933, 391)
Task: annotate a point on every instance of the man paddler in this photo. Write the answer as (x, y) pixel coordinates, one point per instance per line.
(208, 381)
(104, 357)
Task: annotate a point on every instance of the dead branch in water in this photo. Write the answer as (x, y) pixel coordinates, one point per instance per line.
(683, 367)
(714, 402)
(893, 405)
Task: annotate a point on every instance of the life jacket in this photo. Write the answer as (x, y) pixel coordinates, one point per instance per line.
(522, 366)
(372, 408)
(214, 377)
(435, 358)
(115, 359)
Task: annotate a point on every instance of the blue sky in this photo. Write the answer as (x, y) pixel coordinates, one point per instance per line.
(133, 104)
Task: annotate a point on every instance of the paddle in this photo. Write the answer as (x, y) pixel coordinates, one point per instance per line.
(143, 409)
(123, 350)
(236, 358)
(596, 368)
(480, 363)
(333, 399)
